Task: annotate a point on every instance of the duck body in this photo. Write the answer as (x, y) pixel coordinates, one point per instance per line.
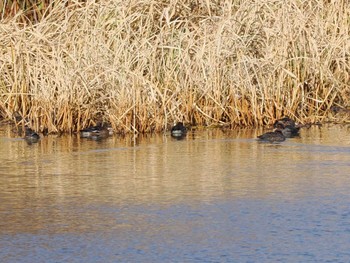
(274, 136)
(285, 121)
(290, 131)
(95, 132)
(87, 132)
(287, 126)
(179, 130)
(31, 136)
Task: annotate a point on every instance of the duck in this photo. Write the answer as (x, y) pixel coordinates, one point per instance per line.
(288, 131)
(284, 122)
(179, 130)
(31, 136)
(96, 132)
(287, 126)
(274, 136)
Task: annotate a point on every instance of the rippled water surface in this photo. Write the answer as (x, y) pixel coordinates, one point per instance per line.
(216, 196)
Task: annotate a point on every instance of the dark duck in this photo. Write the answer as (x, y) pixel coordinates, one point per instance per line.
(274, 136)
(178, 131)
(31, 136)
(96, 132)
(287, 126)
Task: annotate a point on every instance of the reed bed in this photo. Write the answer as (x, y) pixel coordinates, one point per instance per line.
(142, 65)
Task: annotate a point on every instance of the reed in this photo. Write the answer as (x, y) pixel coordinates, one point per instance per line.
(142, 65)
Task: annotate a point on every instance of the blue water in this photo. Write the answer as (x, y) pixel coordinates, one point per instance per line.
(313, 230)
(210, 198)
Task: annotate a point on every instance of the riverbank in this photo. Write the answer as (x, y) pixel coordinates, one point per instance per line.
(142, 66)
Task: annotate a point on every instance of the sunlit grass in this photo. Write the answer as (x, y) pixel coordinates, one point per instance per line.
(141, 65)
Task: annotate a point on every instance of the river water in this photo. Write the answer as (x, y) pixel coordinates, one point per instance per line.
(215, 196)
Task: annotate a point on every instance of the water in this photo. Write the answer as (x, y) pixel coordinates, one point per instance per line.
(216, 196)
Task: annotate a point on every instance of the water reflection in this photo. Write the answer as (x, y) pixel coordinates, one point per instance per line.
(216, 195)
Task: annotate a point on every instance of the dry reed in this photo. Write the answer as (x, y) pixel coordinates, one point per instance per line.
(142, 65)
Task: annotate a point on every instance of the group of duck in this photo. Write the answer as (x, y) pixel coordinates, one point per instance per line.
(101, 131)
(283, 128)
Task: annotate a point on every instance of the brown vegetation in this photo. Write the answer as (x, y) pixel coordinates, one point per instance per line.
(141, 65)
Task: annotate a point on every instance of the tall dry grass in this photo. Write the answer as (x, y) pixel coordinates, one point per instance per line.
(141, 65)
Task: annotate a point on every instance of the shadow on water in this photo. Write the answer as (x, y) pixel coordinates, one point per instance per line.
(214, 196)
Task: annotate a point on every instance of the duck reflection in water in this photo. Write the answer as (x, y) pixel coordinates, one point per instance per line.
(31, 136)
(178, 131)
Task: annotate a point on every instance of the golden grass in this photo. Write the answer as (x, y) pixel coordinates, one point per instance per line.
(141, 65)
